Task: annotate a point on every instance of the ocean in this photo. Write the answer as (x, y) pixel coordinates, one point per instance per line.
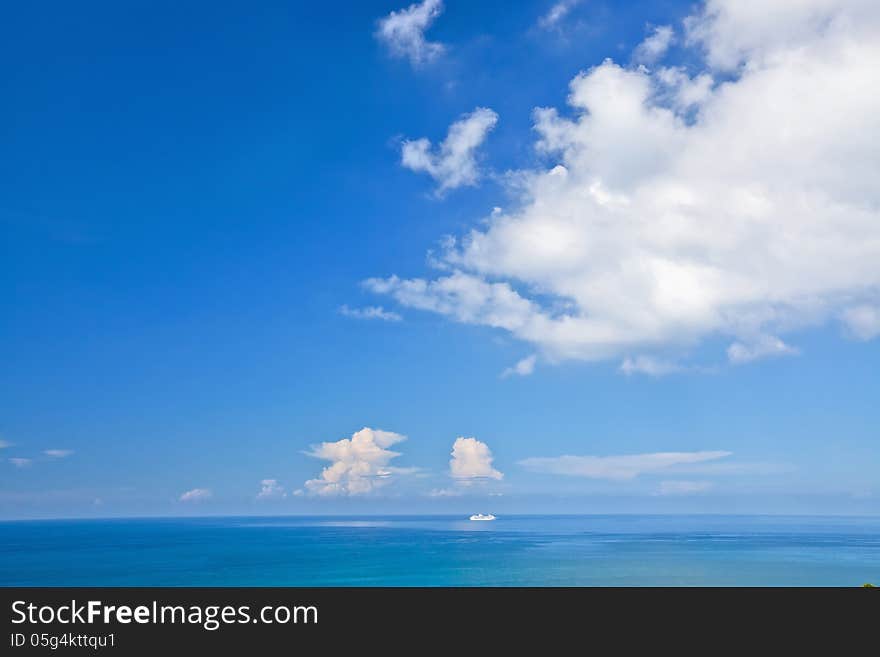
(608, 550)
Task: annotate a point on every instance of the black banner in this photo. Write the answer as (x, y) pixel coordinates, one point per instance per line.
(150, 621)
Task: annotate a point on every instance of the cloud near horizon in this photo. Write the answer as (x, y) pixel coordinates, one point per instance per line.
(270, 489)
(359, 465)
(683, 487)
(618, 468)
(736, 200)
(196, 495)
(472, 461)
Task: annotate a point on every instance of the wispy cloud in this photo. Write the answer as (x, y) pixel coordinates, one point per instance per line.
(19, 462)
(403, 31)
(196, 495)
(619, 468)
(370, 312)
(649, 365)
(732, 468)
(445, 492)
(556, 14)
(683, 487)
(454, 163)
(655, 45)
(523, 367)
(270, 489)
(58, 453)
(863, 321)
(763, 346)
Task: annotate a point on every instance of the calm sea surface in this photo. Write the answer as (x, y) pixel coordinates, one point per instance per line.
(623, 550)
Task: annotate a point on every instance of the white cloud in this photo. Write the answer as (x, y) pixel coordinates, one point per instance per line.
(4, 444)
(863, 322)
(403, 31)
(683, 487)
(732, 468)
(58, 453)
(360, 464)
(734, 33)
(445, 492)
(454, 163)
(618, 468)
(20, 462)
(648, 365)
(466, 298)
(556, 13)
(270, 489)
(523, 367)
(655, 45)
(472, 461)
(682, 90)
(763, 346)
(196, 495)
(370, 312)
(750, 214)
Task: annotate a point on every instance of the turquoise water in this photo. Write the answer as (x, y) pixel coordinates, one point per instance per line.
(623, 550)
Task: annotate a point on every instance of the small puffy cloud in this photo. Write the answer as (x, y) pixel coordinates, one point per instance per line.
(403, 31)
(617, 468)
(655, 45)
(58, 453)
(271, 489)
(472, 461)
(370, 312)
(196, 495)
(359, 465)
(683, 487)
(20, 462)
(556, 14)
(454, 163)
(765, 346)
(862, 322)
(523, 367)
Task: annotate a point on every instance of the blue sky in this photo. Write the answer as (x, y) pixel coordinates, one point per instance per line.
(205, 205)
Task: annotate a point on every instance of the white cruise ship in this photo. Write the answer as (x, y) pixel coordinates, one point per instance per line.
(480, 516)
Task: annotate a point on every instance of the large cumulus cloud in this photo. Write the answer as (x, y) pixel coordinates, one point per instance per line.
(738, 199)
(359, 464)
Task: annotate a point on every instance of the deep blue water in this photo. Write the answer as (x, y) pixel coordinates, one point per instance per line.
(621, 550)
